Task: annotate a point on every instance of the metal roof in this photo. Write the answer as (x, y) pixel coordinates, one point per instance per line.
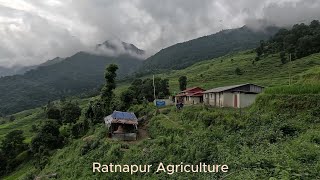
(225, 88)
(123, 115)
(192, 88)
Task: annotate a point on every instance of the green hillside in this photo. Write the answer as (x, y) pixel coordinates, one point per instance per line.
(277, 137)
(184, 54)
(79, 74)
(269, 71)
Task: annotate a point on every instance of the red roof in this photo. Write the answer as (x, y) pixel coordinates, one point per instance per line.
(194, 91)
(196, 94)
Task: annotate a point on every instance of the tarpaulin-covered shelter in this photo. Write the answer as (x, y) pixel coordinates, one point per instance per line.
(122, 125)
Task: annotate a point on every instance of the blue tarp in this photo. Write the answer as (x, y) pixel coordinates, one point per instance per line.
(123, 115)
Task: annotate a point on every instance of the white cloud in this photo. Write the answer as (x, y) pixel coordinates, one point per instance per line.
(32, 31)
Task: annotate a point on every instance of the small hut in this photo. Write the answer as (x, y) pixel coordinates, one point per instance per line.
(122, 125)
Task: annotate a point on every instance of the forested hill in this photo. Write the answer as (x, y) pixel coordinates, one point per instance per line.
(80, 73)
(299, 41)
(184, 54)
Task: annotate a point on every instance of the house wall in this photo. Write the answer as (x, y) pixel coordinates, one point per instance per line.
(246, 99)
(195, 100)
(191, 100)
(206, 99)
(228, 99)
(209, 99)
(219, 99)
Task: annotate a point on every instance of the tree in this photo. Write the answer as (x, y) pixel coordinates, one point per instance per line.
(127, 98)
(3, 163)
(12, 118)
(13, 144)
(315, 24)
(47, 138)
(53, 112)
(163, 88)
(70, 112)
(259, 51)
(95, 111)
(107, 91)
(137, 90)
(238, 71)
(183, 82)
(283, 57)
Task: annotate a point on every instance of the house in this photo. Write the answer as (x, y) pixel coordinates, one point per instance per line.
(237, 96)
(122, 125)
(192, 95)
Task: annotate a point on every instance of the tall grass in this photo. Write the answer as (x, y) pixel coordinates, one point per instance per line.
(296, 89)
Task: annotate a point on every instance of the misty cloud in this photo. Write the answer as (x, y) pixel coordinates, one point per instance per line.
(33, 31)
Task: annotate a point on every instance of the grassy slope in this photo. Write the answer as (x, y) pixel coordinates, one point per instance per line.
(23, 121)
(208, 74)
(267, 72)
(261, 146)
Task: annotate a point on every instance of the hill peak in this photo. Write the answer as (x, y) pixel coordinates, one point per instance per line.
(117, 47)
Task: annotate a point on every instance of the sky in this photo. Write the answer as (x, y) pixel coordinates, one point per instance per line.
(34, 31)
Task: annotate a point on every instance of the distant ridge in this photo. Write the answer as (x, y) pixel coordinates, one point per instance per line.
(184, 54)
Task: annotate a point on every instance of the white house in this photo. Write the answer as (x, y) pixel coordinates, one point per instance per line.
(237, 96)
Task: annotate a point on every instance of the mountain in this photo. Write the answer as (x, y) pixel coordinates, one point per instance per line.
(51, 62)
(119, 47)
(4, 71)
(184, 54)
(9, 71)
(75, 75)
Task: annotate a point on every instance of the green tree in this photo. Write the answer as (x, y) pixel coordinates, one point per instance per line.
(147, 89)
(70, 112)
(48, 137)
(238, 71)
(183, 82)
(127, 98)
(107, 91)
(164, 88)
(52, 112)
(3, 163)
(95, 111)
(12, 118)
(137, 90)
(13, 144)
(283, 57)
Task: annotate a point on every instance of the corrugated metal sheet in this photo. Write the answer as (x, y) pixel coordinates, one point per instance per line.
(124, 115)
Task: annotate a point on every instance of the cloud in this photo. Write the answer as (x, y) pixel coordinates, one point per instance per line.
(33, 31)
